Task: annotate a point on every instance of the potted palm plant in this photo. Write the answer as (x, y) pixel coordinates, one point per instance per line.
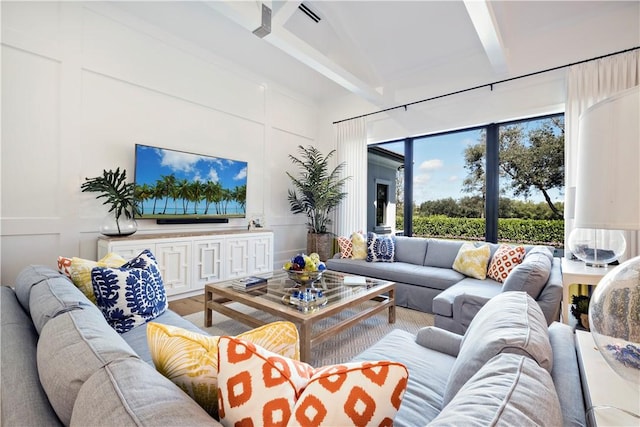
(317, 191)
(119, 195)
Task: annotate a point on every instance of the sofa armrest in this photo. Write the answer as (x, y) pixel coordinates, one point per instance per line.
(551, 295)
(439, 340)
(466, 306)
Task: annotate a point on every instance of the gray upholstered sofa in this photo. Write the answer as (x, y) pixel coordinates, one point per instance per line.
(508, 369)
(62, 364)
(425, 280)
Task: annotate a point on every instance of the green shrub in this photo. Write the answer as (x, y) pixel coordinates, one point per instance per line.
(514, 230)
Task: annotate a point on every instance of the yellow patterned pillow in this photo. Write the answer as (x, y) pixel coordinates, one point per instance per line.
(80, 271)
(359, 242)
(190, 359)
(472, 261)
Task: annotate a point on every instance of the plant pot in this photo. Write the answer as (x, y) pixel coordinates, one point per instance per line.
(120, 227)
(320, 244)
(584, 320)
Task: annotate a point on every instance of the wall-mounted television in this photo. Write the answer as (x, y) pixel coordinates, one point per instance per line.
(174, 186)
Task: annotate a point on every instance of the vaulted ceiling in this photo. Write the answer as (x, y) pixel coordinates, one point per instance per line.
(391, 52)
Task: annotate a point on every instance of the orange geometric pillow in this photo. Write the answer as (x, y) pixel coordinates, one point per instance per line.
(64, 266)
(346, 247)
(258, 387)
(504, 260)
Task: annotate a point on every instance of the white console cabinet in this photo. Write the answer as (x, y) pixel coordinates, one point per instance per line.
(188, 261)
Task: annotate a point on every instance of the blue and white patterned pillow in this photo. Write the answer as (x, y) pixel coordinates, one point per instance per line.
(130, 295)
(380, 248)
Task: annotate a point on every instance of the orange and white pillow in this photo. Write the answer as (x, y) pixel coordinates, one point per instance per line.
(346, 247)
(354, 246)
(258, 387)
(504, 260)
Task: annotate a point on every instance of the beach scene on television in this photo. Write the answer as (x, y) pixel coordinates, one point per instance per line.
(176, 184)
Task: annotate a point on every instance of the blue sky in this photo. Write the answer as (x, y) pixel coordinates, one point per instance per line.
(151, 163)
(439, 167)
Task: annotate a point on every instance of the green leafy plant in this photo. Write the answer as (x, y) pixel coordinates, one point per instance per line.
(118, 193)
(580, 305)
(318, 190)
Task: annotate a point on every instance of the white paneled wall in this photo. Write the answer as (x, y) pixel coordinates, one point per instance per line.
(82, 83)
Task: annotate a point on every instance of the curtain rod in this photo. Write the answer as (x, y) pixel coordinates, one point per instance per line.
(486, 85)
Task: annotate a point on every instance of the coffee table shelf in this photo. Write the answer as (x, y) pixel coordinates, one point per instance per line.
(268, 298)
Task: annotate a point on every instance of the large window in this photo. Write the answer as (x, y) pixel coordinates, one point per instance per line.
(501, 182)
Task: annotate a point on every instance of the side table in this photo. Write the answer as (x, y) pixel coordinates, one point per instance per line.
(577, 272)
(606, 394)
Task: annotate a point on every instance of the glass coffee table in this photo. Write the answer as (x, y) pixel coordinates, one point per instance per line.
(283, 298)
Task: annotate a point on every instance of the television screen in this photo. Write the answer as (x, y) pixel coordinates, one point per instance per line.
(171, 184)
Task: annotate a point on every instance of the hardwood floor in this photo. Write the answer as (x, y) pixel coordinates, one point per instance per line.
(187, 306)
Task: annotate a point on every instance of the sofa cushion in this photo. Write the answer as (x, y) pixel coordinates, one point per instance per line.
(439, 340)
(411, 249)
(472, 261)
(24, 401)
(128, 392)
(441, 253)
(531, 276)
(130, 295)
(538, 249)
(444, 301)
(399, 272)
(73, 346)
(190, 360)
(54, 296)
(380, 248)
(566, 374)
(511, 322)
(259, 387)
(429, 372)
(509, 390)
(505, 259)
(28, 278)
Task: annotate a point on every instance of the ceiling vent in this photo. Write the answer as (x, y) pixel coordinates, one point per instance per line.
(310, 13)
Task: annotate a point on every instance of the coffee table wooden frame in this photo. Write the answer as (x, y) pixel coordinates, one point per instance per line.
(219, 295)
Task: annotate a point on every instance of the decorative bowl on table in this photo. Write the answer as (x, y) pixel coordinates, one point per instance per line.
(305, 269)
(304, 278)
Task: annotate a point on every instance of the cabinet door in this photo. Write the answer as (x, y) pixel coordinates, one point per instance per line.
(208, 264)
(261, 260)
(173, 261)
(127, 250)
(237, 252)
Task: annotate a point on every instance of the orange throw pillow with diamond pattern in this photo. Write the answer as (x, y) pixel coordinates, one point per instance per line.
(504, 260)
(258, 387)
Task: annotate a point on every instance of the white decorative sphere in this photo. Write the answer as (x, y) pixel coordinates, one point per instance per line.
(614, 319)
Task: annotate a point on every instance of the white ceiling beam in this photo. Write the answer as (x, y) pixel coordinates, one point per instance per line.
(486, 27)
(283, 12)
(248, 15)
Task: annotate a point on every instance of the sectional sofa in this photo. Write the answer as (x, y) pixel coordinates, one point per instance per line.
(62, 364)
(425, 279)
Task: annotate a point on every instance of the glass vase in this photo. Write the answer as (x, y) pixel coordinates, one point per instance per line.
(119, 227)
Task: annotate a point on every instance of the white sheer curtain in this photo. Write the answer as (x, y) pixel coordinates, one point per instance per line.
(587, 84)
(351, 215)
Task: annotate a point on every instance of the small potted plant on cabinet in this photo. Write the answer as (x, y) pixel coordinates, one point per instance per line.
(119, 196)
(580, 309)
(317, 192)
